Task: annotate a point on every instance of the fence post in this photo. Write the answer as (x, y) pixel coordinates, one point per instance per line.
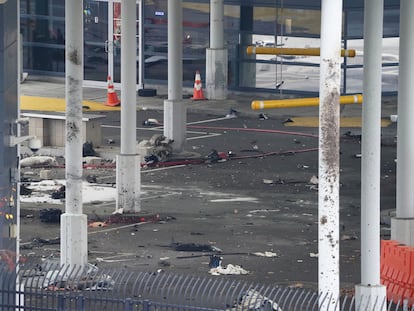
(61, 302)
(128, 304)
(80, 305)
(146, 305)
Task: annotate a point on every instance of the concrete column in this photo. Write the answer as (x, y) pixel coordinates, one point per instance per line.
(141, 44)
(247, 71)
(128, 161)
(217, 55)
(175, 117)
(402, 226)
(370, 292)
(73, 232)
(329, 93)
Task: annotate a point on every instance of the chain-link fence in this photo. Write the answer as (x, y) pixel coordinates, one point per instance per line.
(52, 287)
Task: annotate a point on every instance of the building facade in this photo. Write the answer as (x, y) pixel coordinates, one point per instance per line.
(286, 23)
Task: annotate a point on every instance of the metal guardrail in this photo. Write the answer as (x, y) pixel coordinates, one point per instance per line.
(54, 287)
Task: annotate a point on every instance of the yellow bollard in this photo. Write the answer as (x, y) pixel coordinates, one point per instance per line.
(294, 51)
(302, 102)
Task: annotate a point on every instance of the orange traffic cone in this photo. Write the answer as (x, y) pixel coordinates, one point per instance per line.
(198, 90)
(112, 98)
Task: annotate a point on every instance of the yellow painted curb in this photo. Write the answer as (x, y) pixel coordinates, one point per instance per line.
(59, 104)
(344, 122)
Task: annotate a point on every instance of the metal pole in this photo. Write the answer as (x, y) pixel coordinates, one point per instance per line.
(216, 24)
(403, 225)
(110, 44)
(141, 44)
(405, 145)
(370, 292)
(128, 162)
(302, 102)
(329, 92)
(294, 51)
(175, 52)
(73, 222)
(128, 77)
(175, 117)
(371, 143)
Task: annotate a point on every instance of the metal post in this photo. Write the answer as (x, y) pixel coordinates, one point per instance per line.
(128, 162)
(73, 233)
(402, 227)
(141, 44)
(370, 291)
(110, 44)
(175, 117)
(329, 92)
(216, 55)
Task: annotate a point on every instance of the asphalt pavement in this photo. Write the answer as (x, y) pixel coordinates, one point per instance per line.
(257, 209)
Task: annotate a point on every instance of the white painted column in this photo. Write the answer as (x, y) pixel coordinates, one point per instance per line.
(402, 226)
(73, 232)
(216, 55)
(329, 93)
(128, 171)
(141, 44)
(175, 115)
(370, 293)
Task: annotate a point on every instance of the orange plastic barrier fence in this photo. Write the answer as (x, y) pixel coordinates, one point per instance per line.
(397, 270)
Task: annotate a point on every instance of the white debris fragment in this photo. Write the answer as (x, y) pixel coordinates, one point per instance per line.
(314, 180)
(268, 181)
(313, 255)
(265, 254)
(229, 269)
(253, 300)
(38, 161)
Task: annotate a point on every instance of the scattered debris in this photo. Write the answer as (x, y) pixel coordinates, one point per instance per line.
(133, 218)
(24, 190)
(213, 156)
(314, 180)
(87, 150)
(254, 145)
(157, 149)
(263, 116)
(358, 155)
(39, 242)
(194, 247)
(268, 181)
(313, 255)
(97, 224)
(346, 237)
(91, 179)
(228, 270)
(232, 113)
(252, 300)
(90, 279)
(60, 193)
(38, 161)
(50, 215)
(92, 160)
(215, 261)
(349, 134)
(151, 122)
(266, 254)
(288, 120)
(110, 141)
